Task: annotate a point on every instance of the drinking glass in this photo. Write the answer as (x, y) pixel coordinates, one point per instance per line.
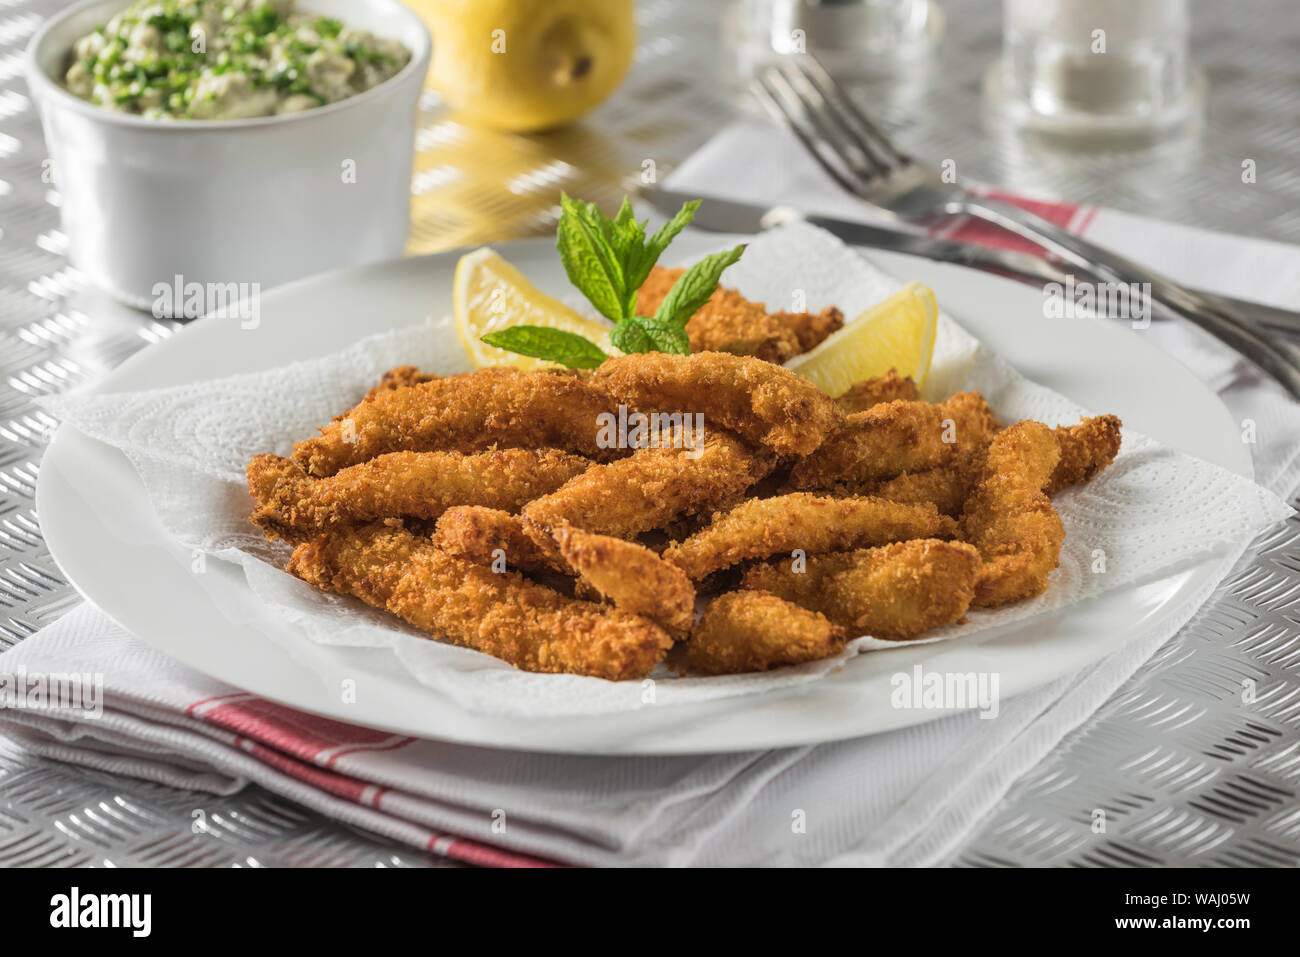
(850, 37)
(1106, 71)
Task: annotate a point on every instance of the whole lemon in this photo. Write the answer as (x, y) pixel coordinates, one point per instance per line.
(524, 65)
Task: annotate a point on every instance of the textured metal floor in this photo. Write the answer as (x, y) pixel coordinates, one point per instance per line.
(1187, 775)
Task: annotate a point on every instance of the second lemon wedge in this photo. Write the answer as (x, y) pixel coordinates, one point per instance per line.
(895, 334)
(490, 294)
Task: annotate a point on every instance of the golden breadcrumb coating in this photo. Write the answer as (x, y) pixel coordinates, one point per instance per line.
(1086, 449)
(484, 535)
(894, 592)
(729, 322)
(465, 413)
(755, 631)
(808, 523)
(650, 488)
(896, 437)
(890, 387)
(399, 377)
(526, 624)
(946, 487)
(1010, 519)
(765, 404)
(631, 576)
(290, 504)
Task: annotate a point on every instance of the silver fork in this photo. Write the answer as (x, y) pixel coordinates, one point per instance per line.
(800, 94)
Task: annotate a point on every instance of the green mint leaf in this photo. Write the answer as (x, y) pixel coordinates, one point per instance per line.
(643, 260)
(628, 233)
(583, 239)
(628, 237)
(695, 287)
(666, 336)
(639, 334)
(590, 214)
(630, 336)
(543, 342)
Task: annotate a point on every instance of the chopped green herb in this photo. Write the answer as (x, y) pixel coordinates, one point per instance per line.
(608, 260)
(262, 20)
(177, 40)
(328, 26)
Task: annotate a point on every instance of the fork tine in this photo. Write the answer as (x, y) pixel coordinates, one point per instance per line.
(816, 74)
(858, 150)
(788, 110)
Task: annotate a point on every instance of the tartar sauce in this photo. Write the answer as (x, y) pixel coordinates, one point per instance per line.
(226, 60)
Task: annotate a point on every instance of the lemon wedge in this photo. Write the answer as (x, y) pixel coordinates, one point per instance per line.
(490, 294)
(895, 334)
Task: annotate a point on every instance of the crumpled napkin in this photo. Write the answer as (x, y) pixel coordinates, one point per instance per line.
(1154, 510)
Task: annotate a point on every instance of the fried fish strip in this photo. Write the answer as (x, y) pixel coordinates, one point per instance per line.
(528, 625)
(811, 328)
(729, 322)
(890, 387)
(896, 437)
(291, 504)
(399, 377)
(764, 403)
(465, 413)
(1010, 519)
(755, 631)
(726, 323)
(484, 535)
(631, 576)
(762, 527)
(947, 486)
(650, 488)
(1086, 449)
(894, 593)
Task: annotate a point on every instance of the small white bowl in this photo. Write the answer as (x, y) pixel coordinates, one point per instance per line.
(260, 200)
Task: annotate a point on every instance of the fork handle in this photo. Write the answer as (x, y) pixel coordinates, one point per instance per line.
(1277, 359)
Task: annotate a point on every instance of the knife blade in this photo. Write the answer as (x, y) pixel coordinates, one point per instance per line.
(730, 216)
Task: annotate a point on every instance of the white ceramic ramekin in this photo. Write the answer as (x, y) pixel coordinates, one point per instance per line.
(243, 201)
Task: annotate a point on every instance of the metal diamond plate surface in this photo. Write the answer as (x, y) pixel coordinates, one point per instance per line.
(1184, 771)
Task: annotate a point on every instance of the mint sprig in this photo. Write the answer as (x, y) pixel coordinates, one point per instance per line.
(608, 260)
(640, 334)
(592, 250)
(693, 289)
(554, 345)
